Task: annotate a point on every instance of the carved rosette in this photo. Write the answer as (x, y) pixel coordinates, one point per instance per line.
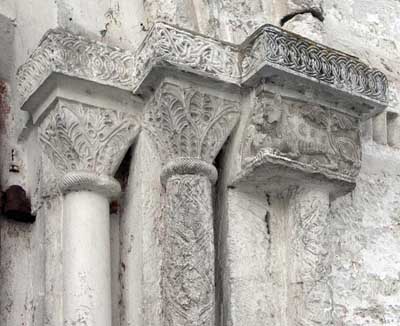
(189, 127)
(86, 144)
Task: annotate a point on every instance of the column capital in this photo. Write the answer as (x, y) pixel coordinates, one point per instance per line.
(78, 94)
(189, 125)
(86, 144)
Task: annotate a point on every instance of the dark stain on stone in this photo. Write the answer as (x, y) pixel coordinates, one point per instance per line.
(17, 206)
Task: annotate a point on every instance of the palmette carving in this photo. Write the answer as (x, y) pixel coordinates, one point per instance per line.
(308, 270)
(63, 52)
(313, 135)
(80, 137)
(185, 122)
(188, 252)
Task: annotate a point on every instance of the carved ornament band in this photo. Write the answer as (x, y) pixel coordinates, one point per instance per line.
(76, 56)
(169, 46)
(189, 166)
(89, 181)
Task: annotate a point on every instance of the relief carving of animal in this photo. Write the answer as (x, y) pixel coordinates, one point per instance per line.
(311, 135)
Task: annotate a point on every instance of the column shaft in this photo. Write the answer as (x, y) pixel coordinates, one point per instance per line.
(308, 298)
(86, 256)
(188, 252)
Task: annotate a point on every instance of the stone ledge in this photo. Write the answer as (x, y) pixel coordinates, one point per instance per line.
(62, 52)
(270, 52)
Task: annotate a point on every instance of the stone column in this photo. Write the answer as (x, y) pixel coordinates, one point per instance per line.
(86, 145)
(308, 294)
(189, 126)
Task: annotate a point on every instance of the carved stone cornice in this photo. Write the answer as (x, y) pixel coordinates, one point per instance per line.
(76, 56)
(270, 52)
(189, 125)
(279, 49)
(169, 46)
(86, 144)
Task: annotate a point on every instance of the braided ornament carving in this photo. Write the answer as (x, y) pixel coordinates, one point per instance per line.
(73, 55)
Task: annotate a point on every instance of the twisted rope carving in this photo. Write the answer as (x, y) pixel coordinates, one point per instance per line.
(87, 181)
(189, 166)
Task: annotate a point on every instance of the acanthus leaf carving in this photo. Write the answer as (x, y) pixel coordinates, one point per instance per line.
(186, 122)
(80, 137)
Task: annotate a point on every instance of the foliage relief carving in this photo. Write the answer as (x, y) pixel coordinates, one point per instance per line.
(79, 137)
(185, 122)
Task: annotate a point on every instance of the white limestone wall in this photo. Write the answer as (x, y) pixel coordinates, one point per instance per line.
(365, 232)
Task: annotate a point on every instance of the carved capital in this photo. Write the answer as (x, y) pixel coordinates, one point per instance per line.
(189, 125)
(298, 139)
(83, 141)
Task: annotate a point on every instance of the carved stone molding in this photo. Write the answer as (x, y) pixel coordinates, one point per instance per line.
(167, 45)
(270, 51)
(188, 123)
(280, 49)
(79, 138)
(72, 55)
(303, 135)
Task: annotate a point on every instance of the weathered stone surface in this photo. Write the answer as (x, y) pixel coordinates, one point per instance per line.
(296, 151)
(188, 255)
(79, 137)
(313, 135)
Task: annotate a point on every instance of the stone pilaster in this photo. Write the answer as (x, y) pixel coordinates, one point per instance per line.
(189, 126)
(85, 119)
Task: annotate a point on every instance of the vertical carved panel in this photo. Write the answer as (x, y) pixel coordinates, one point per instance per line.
(309, 295)
(188, 253)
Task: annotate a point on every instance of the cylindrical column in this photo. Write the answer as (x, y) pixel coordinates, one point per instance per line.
(188, 247)
(308, 294)
(86, 252)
